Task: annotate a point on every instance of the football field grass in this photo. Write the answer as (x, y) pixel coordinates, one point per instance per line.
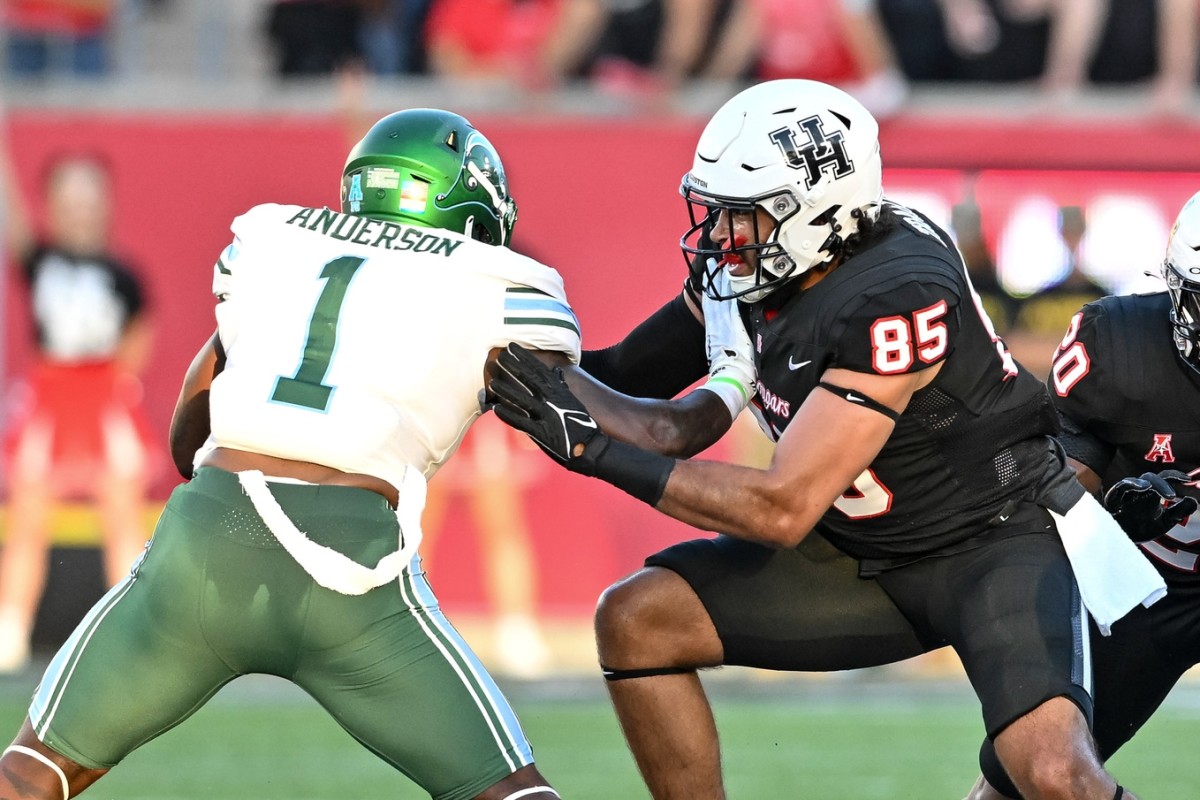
(844, 738)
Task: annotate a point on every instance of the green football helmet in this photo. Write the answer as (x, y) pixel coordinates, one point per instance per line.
(431, 168)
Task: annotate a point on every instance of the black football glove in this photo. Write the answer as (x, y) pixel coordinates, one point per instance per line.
(534, 398)
(1148, 506)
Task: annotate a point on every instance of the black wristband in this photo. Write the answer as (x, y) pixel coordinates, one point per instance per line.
(632, 470)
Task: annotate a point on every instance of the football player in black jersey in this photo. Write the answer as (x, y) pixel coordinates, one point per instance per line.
(1121, 391)
(877, 371)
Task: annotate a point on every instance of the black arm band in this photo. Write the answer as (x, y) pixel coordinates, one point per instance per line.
(632, 470)
(659, 358)
(860, 399)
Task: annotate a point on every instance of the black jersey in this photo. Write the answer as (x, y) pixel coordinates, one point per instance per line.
(81, 305)
(1127, 401)
(970, 445)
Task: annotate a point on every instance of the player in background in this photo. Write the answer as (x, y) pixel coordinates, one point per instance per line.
(1123, 380)
(348, 361)
(876, 371)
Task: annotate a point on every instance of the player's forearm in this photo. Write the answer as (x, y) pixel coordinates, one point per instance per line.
(748, 503)
(739, 501)
(1085, 475)
(680, 428)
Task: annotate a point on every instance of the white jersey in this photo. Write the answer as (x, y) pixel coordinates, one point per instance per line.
(360, 344)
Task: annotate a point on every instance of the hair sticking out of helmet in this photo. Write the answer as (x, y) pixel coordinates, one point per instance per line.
(805, 152)
(431, 168)
(1181, 270)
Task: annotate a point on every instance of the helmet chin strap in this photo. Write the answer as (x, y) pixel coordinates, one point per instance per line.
(746, 283)
(740, 283)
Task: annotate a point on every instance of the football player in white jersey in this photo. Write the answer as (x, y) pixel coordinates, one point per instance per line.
(349, 359)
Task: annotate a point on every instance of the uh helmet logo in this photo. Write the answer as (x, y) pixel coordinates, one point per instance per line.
(821, 153)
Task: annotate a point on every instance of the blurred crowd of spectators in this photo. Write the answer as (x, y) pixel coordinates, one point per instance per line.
(874, 48)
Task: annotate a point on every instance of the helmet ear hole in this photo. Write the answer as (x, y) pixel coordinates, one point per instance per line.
(480, 233)
(827, 217)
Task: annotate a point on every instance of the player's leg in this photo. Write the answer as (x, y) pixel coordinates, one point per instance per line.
(29, 769)
(23, 561)
(1136, 667)
(1012, 611)
(1133, 671)
(140, 661)
(392, 670)
(715, 601)
(652, 633)
(524, 784)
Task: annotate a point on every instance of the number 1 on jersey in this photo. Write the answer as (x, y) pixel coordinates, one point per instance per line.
(306, 387)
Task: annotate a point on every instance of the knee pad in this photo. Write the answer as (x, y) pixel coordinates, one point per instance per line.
(993, 771)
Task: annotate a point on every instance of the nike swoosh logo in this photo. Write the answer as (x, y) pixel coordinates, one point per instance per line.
(578, 417)
(853, 398)
(795, 365)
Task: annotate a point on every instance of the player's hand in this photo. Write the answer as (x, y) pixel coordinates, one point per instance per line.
(1146, 507)
(534, 398)
(731, 371)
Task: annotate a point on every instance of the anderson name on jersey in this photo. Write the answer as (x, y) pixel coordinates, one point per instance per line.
(967, 446)
(360, 344)
(1121, 389)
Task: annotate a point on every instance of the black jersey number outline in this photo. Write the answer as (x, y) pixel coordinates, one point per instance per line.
(307, 387)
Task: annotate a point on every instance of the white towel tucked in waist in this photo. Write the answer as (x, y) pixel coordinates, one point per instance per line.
(328, 567)
(1112, 572)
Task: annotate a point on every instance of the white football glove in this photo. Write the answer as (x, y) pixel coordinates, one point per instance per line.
(731, 372)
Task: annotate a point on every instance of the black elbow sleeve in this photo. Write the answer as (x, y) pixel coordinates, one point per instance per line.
(659, 358)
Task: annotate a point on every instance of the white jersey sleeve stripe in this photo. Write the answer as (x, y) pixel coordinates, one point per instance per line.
(526, 306)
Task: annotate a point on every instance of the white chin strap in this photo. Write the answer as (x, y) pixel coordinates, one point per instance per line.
(743, 283)
(740, 283)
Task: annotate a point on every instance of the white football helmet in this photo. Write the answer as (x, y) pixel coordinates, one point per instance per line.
(1181, 269)
(807, 153)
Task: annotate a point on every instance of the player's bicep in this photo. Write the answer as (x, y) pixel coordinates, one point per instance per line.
(190, 420)
(881, 393)
(828, 445)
